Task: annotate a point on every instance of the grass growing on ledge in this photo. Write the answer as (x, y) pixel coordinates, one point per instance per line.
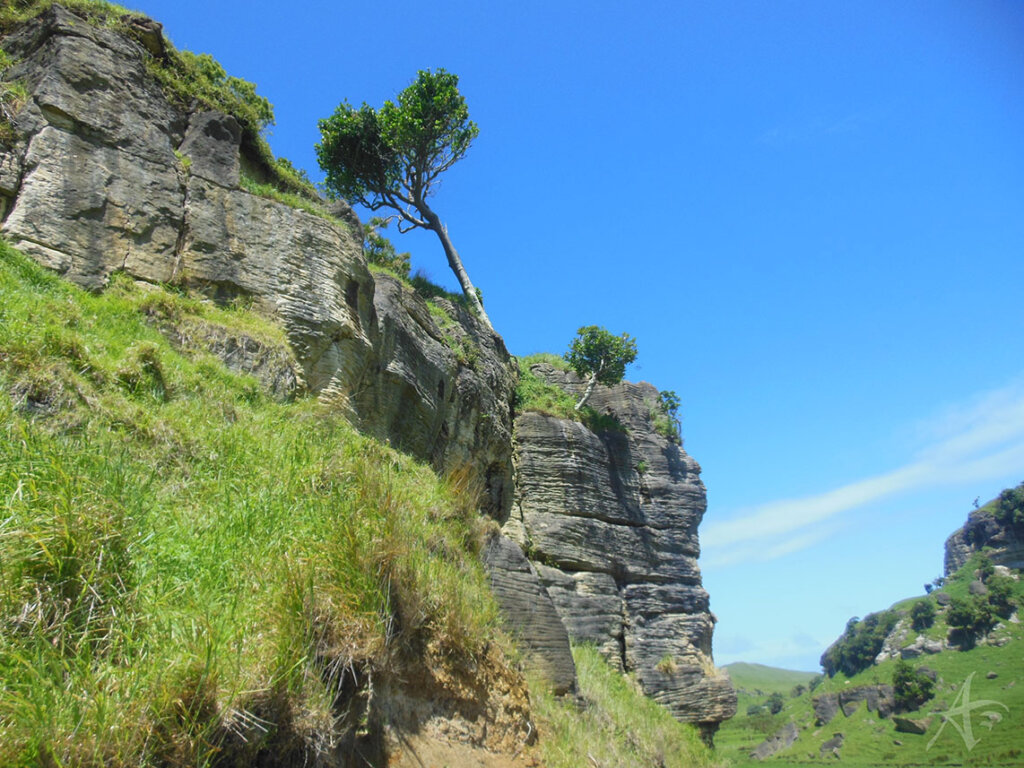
(292, 200)
(187, 79)
(187, 567)
(614, 725)
(535, 394)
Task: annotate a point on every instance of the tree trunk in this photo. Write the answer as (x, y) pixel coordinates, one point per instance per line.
(456, 264)
(588, 392)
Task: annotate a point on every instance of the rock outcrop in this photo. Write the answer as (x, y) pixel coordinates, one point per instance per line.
(610, 520)
(531, 614)
(782, 739)
(109, 175)
(1005, 543)
(879, 698)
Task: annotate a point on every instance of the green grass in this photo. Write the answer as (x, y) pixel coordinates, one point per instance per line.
(13, 97)
(612, 724)
(189, 570)
(301, 202)
(871, 741)
(535, 394)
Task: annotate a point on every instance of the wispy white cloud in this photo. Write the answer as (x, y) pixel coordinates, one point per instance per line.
(972, 442)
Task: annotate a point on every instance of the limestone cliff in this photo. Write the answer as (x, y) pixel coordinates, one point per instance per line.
(610, 520)
(1004, 543)
(107, 174)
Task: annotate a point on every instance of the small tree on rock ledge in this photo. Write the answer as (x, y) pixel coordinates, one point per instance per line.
(600, 357)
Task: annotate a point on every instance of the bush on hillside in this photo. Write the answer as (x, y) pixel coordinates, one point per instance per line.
(922, 614)
(861, 642)
(1000, 595)
(985, 569)
(1009, 507)
(910, 687)
(967, 618)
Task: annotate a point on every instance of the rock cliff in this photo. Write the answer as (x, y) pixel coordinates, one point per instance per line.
(1005, 543)
(610, 520)
(108, 174)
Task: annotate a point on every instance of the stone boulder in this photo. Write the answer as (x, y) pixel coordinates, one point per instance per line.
(922, 645)
(826, 707)
(909, 725)
(780, 740)
(879, 698)
(832, 746)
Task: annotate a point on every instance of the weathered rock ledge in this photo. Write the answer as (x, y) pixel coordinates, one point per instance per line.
(1005, 544)
(610, 522)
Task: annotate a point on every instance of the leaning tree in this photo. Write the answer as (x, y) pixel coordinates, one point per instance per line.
(600, 357)
(392, 157)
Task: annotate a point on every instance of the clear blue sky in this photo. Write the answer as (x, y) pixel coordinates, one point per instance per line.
(809, 214)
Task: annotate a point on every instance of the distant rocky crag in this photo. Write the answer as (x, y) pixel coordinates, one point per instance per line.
(989, 530)
(108, 175)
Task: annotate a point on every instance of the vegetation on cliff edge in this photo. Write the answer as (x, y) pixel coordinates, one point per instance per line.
(187, 77)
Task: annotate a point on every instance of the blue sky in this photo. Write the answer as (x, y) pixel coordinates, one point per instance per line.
(809, 214)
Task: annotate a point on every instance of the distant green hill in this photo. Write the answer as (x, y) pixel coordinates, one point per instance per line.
(974, 718)
(752, 678)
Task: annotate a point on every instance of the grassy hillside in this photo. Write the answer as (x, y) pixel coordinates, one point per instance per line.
(994, 666)
(184, 559)
(194, 573)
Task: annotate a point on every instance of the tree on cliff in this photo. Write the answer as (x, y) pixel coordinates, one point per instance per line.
(600, 357)
(391, 157)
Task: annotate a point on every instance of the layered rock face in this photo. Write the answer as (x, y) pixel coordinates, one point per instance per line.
(610, 521)
(108, 175)
(982, 530)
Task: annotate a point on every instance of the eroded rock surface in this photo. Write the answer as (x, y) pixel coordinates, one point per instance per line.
(611, 520)
(782, 739)
(1005, 544)
(108, 175)
(530, 612)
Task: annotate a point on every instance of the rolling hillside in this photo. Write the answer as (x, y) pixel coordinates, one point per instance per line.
(973, 718)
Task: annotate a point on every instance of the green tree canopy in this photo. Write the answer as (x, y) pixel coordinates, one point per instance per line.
(393, 157)
(600, 357)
